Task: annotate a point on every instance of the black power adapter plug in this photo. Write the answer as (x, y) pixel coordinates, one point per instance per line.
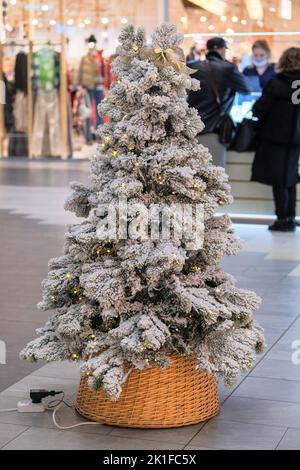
(36, 395)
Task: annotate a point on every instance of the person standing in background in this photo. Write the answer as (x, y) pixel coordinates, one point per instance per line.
(261, 71)
(277, 156)
(227, 80)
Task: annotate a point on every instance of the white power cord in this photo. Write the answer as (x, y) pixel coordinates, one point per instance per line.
(90, 423)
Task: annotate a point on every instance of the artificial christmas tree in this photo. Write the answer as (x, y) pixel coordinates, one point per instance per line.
(133, 307)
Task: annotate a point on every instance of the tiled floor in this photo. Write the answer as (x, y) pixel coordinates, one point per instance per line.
(261, 412)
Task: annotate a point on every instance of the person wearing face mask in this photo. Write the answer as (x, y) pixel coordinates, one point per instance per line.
(261, 71)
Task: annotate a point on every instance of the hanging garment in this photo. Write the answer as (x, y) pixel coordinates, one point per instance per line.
(20, 112)
(21, 72)
(18, 145)
(8, 107)
(88, 75)
(46, 116)
(45, 69)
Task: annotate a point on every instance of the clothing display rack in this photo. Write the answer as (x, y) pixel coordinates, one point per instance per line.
(63, 93)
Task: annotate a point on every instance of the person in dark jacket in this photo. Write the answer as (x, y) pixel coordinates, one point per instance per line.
(277, 155)
(228, 81)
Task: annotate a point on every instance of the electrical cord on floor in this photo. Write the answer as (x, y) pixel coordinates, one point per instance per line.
(55, 406)
(85, 423)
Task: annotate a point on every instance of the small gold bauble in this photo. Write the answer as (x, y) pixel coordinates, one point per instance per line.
(221, 202)
(114, 153)
(218, 290)
(93, 336)
(135, 47)
(131, 147)
(160, 179)
(53, 297)
(74, 356)
(68, 275)
(106, 139)
(194, 268)
(98, 193)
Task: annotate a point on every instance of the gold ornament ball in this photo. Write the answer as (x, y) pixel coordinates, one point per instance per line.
(74, 356)
(135, 47)
(218, 290)
(221, 202)
(93, 336)
(194, 268)
(114, 153)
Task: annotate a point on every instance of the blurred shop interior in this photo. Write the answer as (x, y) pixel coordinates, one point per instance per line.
(55, 58)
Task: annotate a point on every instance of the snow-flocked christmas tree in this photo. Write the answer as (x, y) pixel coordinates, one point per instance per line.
(121, 304)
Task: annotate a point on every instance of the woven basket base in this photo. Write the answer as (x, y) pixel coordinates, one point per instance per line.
(179, 395)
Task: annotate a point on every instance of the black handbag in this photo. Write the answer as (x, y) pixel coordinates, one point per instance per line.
(226, 128)
(246, 136)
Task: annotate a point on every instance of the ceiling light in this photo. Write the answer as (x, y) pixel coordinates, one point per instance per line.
(230, 31)
(211, 27)
(234, 19)
(124, 20)
(87, 21)
(183, 19)
(13, 2)
(285, 9)
(203, 19)
(260, 23)
(244, 21)
(70, 21)
(81, 24)
(34, 22)
(52, 22)
(255, 9)
(104, 20)
(272, 10)
(217, 7)
(223, 18)
(45, 7)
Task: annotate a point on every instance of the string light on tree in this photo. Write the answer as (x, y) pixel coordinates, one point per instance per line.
(194, 268)
(160, 179)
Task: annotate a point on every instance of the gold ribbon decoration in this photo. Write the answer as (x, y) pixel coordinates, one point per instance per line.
(166, 58)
